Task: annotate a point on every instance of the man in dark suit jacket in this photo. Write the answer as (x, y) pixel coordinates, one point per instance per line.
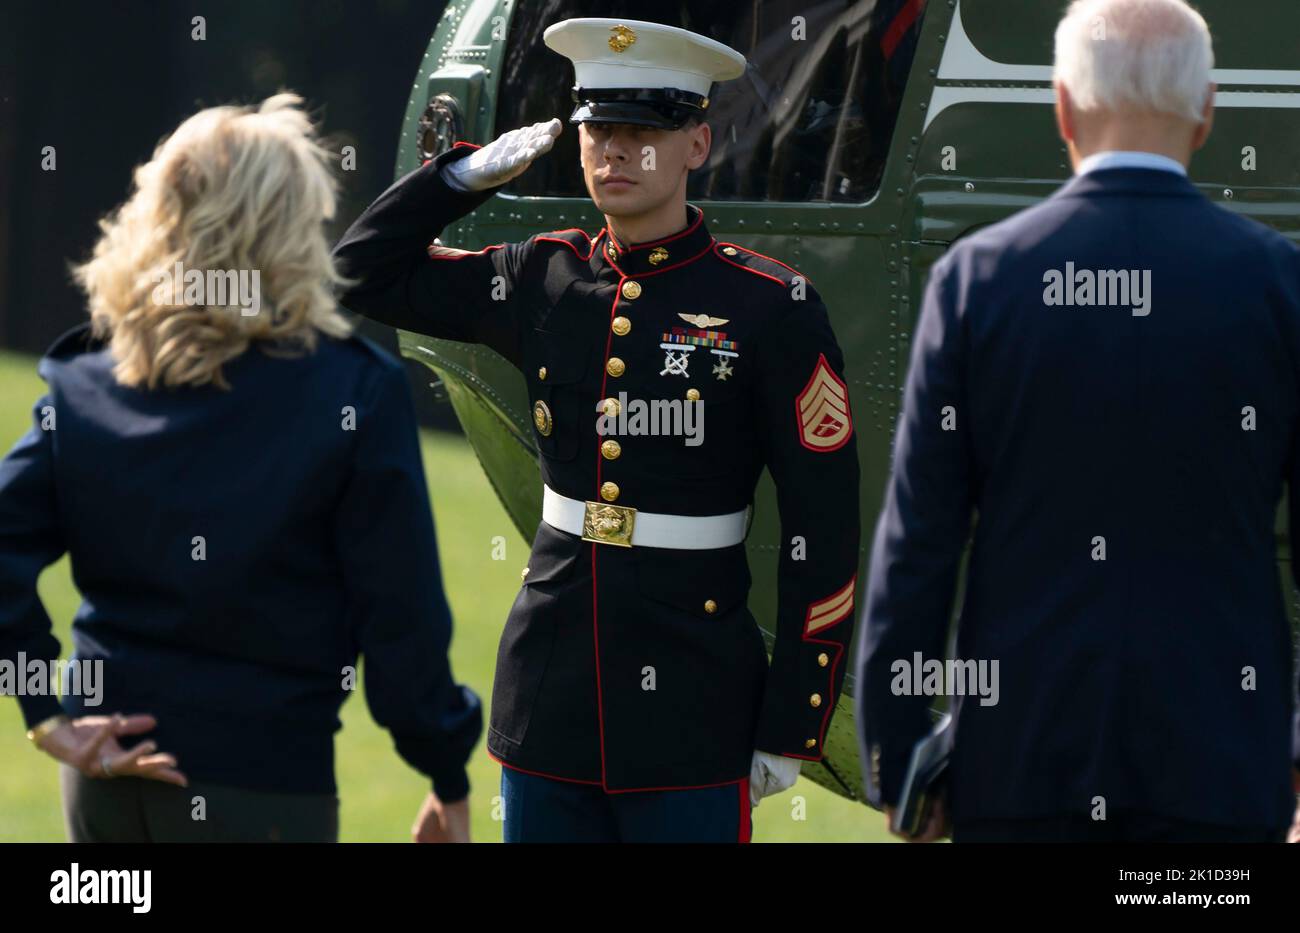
(1110, 382)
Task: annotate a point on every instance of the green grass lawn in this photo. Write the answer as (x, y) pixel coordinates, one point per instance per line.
(379, 793)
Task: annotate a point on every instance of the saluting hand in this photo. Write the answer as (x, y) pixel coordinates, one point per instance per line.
(441, 822)
(90, 745)
(502, 159)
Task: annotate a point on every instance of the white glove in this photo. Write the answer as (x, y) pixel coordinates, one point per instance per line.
(771, 774)
(502, 159)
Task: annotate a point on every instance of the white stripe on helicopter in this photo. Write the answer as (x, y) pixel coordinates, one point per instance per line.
(962, 61)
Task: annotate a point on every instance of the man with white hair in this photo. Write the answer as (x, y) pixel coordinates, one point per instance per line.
(1109, 380)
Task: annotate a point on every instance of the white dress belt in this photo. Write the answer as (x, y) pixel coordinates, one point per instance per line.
(651, 529)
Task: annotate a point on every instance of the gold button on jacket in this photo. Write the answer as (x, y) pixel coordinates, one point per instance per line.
(542, 418)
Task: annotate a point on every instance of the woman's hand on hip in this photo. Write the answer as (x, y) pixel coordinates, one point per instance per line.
(90, 744)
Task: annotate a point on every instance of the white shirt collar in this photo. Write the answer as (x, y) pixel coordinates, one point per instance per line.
(1104, 160)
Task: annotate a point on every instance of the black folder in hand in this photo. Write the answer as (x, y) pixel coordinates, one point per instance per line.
(925, 779)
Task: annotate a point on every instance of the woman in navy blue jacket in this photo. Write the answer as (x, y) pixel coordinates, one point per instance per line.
(238, 482)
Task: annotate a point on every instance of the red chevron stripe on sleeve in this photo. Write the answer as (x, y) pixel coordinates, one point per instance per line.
(823, 410)
(834, 608)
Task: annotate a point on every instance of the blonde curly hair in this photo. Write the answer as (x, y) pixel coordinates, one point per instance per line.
(233, 190)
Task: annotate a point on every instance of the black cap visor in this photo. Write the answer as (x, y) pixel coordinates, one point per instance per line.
(665, 108)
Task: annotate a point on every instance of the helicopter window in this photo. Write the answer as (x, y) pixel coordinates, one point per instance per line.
(810, 120)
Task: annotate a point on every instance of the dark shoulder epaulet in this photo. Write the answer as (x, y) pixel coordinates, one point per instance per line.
(574, 238)
(72, 342)
(758, 264)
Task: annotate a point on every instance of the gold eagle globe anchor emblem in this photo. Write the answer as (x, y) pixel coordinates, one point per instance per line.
(621, 38)
(608, 524)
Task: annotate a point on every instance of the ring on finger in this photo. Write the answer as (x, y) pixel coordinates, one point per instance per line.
(105, 766)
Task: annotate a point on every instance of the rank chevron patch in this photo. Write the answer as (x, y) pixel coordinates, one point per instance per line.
(832, 609)
(823, 410)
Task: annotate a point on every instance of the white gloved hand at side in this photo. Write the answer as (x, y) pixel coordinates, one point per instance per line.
(503, 158)
(771, 774)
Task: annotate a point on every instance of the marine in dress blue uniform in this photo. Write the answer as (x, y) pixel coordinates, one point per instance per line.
(639, 561)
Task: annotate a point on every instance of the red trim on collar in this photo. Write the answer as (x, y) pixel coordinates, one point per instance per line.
(610, 259)
(690, 228)
(668, 268)
(634, 260)
(677, 265)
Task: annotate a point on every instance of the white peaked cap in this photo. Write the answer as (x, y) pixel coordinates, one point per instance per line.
(629, 53)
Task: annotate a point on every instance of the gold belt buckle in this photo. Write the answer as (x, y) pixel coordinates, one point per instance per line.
(603, 523)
